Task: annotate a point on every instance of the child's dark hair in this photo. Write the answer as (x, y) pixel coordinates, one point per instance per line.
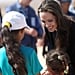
(58, 60)
(15, 58)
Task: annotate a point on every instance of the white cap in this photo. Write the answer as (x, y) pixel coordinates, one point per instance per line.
(16, 19)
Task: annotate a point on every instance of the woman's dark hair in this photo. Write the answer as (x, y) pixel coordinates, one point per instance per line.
(62, 28)
(58, 60)
(15, 57)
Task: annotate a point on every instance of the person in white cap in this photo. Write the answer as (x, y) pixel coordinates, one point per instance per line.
(35, 31)
(16, 59)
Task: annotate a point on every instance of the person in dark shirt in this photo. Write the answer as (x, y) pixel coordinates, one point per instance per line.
(60, 30)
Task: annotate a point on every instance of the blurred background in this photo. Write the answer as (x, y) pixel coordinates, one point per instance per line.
(34, 4)
(5, 3)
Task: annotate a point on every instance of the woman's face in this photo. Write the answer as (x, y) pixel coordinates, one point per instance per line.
(48, 20)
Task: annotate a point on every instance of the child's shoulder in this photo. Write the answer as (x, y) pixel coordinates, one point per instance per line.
(2, 51)
(3, 56)
(27, 50)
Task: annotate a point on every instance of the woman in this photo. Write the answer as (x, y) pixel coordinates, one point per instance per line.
(60, 31)
(57, 62)
(16, 59)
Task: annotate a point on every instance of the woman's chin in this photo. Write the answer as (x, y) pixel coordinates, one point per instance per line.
(51, 30)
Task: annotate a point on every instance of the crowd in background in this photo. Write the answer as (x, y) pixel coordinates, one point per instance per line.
(52, 28)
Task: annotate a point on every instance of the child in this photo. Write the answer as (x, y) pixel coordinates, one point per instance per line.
(57, 63)
(16, 59)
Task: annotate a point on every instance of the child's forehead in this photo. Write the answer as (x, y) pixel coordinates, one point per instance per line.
(50, 71)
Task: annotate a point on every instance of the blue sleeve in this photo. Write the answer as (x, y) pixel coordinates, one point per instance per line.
(39, 27)
(7, 9)
(11, 8)
(35, 21)
(36, 67)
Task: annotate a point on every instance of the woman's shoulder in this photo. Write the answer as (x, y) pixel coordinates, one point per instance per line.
(69, 22)
(69, 19)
